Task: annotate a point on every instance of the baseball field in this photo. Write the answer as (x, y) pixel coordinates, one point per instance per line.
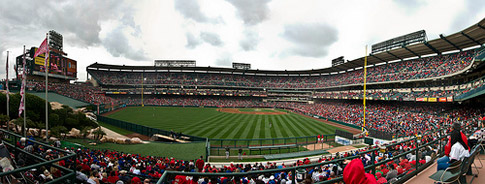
(246, 123)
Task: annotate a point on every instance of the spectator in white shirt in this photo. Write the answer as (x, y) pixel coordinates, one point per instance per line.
(459, 149)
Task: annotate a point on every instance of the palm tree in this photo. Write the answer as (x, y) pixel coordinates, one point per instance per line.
(85, 131)
(99, 133)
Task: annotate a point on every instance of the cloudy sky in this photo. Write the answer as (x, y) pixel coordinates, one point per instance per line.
(268, 34)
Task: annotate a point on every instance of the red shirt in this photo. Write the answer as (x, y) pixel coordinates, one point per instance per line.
(384, 171)
(200, 164)
(113, 179)
(86, 167)
(448, 145)
(180, 179)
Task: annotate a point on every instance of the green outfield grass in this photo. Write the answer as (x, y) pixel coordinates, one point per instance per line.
(189, 151)
(208, 122)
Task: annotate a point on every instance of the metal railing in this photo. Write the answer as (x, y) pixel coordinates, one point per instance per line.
(438, 142)
(144, 130)
(10, 139)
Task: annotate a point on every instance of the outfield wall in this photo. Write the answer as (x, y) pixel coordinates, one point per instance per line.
(144, 130)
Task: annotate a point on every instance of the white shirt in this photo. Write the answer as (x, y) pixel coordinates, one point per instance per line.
(136, 171)
(91, 181)
(458, 152)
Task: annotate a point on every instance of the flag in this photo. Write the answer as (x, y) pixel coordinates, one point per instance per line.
(43, 48)
(22, 89)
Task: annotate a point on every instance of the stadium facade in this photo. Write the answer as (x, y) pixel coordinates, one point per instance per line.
(447, 69)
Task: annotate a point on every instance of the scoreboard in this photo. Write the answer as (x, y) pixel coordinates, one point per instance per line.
(243, 66)
(59, 66)
(399, 42)
(338, 61)
(175, 63)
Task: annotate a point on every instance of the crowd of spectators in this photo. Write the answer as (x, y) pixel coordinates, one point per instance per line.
(108, 166)
(421, 68)
(396, 118)
(405, 93)
(402, 118)
(390, 94)
(81, 91)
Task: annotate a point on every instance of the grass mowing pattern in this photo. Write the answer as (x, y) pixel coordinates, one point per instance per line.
(208, 122)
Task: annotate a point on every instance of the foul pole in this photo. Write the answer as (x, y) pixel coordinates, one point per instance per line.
(365, 81)
(142, 81)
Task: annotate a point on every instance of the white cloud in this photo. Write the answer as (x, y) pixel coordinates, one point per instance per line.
(274, 35)
(211, 38)
(311, 40)
(251, 11)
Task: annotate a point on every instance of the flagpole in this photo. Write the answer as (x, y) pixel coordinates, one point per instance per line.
(8, 97)
(25, 99)
(46, 89)
(365, 81)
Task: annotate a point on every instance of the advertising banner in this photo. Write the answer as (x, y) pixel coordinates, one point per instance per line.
(421, 99)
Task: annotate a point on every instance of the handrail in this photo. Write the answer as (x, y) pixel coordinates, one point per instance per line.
(440, 137)
(11, 142)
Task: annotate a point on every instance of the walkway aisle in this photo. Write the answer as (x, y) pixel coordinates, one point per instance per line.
(423, 177)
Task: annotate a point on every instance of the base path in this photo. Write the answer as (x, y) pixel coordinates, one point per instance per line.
(237, 111)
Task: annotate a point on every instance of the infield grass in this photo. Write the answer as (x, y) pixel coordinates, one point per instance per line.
(208, 122)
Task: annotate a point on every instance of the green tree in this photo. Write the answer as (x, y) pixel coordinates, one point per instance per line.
(4, 119)
(98, 134)
(38, 125)
(84, 131)
(57, 131)
(72, 123)
(35, 106)
(20, 122)
(54, 120)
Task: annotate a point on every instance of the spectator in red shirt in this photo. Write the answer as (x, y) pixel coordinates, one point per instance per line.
(200, 164)
(354, 173)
